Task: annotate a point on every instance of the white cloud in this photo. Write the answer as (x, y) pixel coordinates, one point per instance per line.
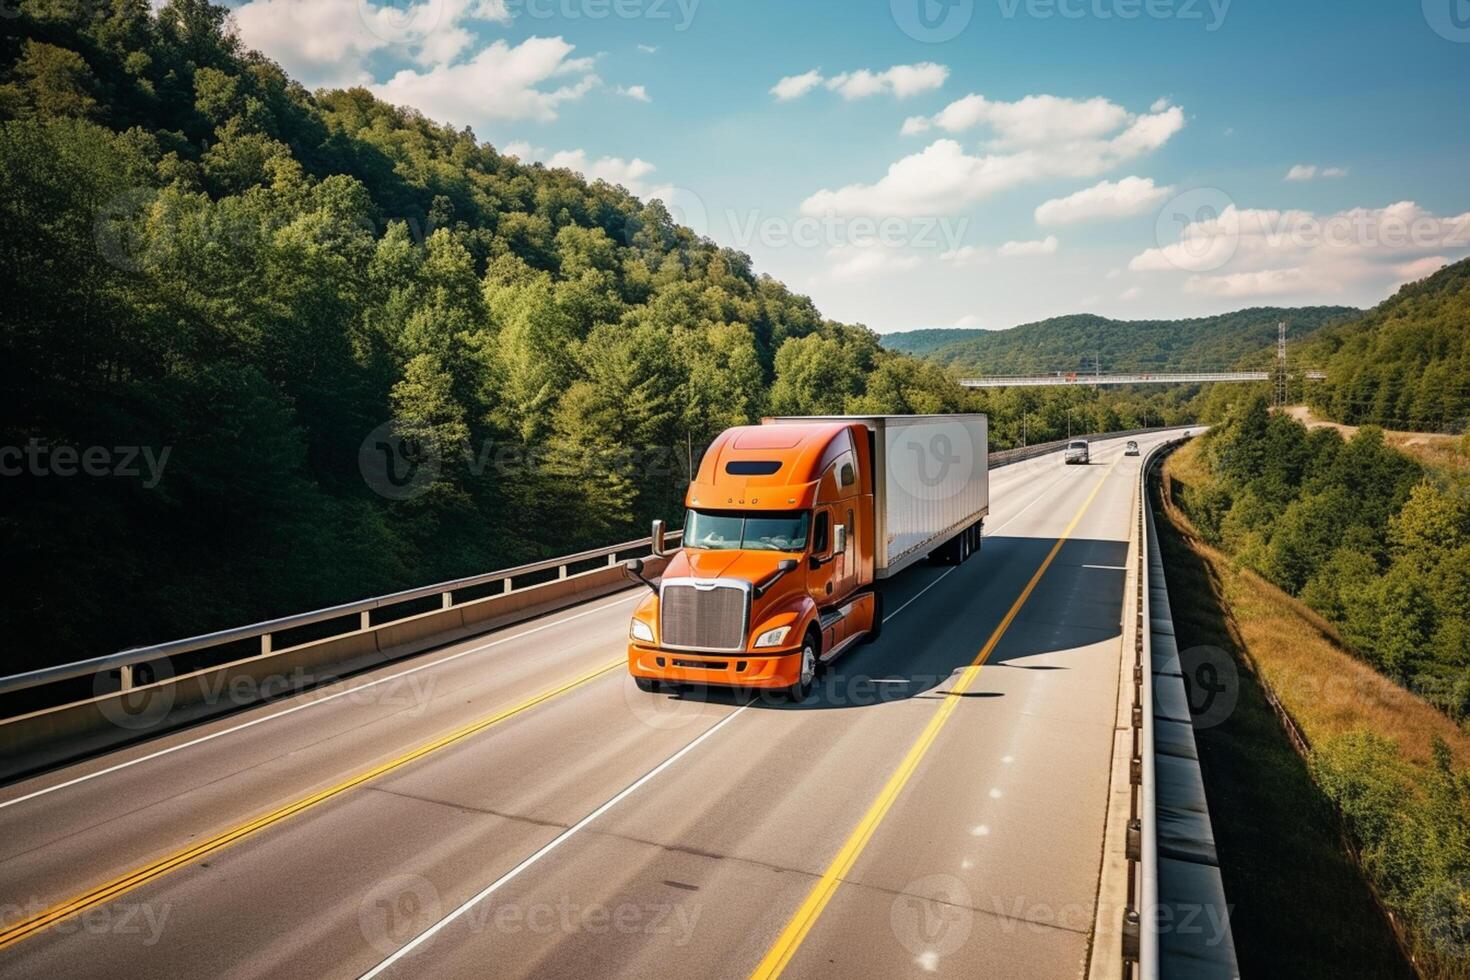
(522, 150)
(1419, 268)
(499, 82)
(1267, 282)
(900, 81)
(1310, 171)
(965, 256)
(968, 321)
(1040, 137)
(648, 48)
(795, 86)
(1046, 246)
(1108, 199)
(630, 174)
(329, 42)
(1040, 119)
(637, 92)
(861, 261)
(1132, 292)
(1256, 252)
(1159, 105)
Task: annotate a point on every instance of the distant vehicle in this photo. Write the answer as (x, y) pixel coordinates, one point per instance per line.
(1131, 449)
(790, 523)
(1076, 452)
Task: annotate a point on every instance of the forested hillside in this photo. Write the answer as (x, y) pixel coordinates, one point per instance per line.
(1244, 339)
(265, 350)
(1406, 363)
(1359, 531)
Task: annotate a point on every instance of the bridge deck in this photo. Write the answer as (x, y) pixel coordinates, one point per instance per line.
(711, 818)
(1135, 378)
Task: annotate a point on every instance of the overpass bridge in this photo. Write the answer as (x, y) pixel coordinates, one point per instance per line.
(1085, 380)
(507, 803)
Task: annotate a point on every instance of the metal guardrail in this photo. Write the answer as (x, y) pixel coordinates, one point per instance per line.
(125, 660)
(1141, 937)
(1173, 871)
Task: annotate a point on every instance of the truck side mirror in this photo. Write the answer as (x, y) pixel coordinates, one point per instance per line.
(633, 568)
(658, 539)
(839, 539)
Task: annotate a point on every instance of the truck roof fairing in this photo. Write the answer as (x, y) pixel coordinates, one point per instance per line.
(803, 452)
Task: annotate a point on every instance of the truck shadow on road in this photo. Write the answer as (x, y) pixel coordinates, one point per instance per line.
(1075, 608)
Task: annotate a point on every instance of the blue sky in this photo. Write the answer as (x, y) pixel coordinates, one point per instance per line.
(1011, 160)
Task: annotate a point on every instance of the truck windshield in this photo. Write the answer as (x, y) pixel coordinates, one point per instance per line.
(728, 530)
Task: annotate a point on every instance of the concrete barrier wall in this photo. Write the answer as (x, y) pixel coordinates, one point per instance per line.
(54, 736)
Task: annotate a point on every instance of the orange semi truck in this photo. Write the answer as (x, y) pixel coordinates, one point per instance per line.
(789, 525)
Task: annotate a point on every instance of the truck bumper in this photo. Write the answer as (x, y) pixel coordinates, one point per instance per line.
(778, 668)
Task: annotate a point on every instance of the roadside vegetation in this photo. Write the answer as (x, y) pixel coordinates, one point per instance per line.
(1364, 535)
(1363, 663)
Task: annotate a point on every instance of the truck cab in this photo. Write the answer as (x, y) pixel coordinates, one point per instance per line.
(776, 567)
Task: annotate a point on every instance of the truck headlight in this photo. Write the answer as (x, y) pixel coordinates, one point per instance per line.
(642, 631)
(773, 638)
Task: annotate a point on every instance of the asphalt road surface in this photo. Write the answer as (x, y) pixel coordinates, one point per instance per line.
(512, 806)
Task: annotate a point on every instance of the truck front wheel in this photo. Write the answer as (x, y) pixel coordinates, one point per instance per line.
(807, 674)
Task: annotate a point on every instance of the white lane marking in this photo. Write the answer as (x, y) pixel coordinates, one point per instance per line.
(919, 593)
(1109, 568)
(556, 842)
(308, 704)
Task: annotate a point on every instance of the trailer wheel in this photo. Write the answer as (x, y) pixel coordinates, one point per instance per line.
(876, 630)
(646, 684)
(802, 688)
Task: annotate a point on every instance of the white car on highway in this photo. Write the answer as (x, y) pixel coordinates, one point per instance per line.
(1076, 452)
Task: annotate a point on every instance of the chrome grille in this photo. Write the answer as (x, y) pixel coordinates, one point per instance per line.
(703, 616)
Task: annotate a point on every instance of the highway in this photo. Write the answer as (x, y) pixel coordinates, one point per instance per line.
(512, 806)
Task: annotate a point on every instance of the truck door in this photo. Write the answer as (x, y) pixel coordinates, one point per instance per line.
(821, 581)
(845, 565)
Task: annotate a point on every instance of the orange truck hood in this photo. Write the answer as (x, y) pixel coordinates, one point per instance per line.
(748, 566)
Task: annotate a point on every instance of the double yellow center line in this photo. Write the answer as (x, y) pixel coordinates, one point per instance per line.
(157, 869)
(786, 944)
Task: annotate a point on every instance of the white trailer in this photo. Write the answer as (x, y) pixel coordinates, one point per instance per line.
(931, 484)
